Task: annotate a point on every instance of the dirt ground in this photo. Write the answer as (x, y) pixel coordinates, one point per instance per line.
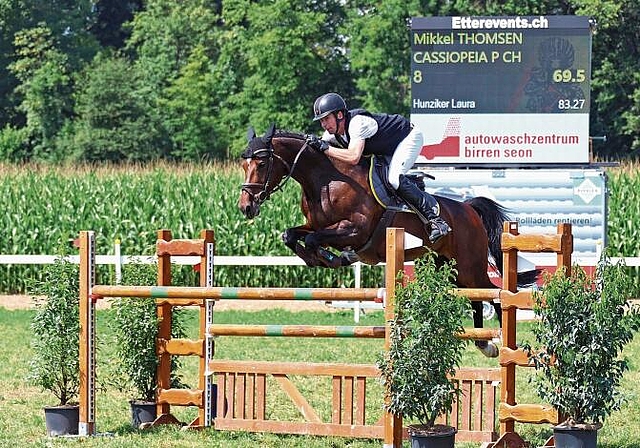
(13, 302)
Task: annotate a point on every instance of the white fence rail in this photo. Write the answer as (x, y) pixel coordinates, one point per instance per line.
(118, 260)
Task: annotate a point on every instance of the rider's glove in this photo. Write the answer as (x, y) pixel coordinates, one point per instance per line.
(317, 144)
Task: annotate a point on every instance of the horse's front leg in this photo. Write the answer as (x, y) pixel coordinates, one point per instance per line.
(338, 236)
(292, 237)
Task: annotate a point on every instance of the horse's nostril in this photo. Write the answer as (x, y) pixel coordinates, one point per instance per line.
(247, 211)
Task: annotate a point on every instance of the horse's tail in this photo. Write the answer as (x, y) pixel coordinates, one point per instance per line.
(493, 217)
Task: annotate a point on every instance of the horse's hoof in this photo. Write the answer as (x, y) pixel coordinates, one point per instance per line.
(488, 348)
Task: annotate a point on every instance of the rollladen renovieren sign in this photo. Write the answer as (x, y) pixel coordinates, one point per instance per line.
(501, 90)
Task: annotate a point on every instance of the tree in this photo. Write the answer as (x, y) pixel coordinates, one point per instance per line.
(9, 24)
(163, 40)
(45, 88)
(615, 81)
(191, 109)
(166, 32)
(205, 73)
(380, 53)
(112, 122)
(67, 22)
(292, 54)
(110, 19)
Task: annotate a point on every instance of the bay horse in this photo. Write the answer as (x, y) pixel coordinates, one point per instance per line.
(342, 214)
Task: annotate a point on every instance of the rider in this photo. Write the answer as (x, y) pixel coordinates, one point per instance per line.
(355, 132)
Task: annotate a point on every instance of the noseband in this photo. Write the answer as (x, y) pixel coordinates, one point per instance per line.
(265, 190)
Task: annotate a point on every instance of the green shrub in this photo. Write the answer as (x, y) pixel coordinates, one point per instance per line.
(584, 323)
(425, 348)
(56, 328)
(134, 324)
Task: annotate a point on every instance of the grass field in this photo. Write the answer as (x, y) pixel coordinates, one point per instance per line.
(22, 418)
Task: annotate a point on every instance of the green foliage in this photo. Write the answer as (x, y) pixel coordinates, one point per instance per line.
(425, 347)
(111, 17)
(206, 70)
(174, 45)
(377, 37)
(113, 121)
(13, 144)
(294, 54)
(585, 322)
(615, 84)
(45, 89)
(190, 114)
(56, 329)
(134, 324)
(135, 327)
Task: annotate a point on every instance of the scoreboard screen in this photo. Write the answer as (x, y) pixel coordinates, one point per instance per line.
(490, 90)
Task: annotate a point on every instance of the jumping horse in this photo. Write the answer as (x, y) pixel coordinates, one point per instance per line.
(343, 214)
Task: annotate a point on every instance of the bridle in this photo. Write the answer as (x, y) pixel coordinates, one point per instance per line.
(265, 190)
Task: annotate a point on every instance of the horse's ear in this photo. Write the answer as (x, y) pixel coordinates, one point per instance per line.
(251, 134)
(271, 131)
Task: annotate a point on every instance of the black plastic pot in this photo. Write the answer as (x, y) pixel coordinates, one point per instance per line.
(142, 412)
(445, 437)
(572, 437)
(61, 420)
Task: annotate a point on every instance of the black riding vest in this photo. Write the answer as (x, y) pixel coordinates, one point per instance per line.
(392, 129)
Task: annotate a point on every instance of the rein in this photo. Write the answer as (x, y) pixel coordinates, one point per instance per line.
(265, 192)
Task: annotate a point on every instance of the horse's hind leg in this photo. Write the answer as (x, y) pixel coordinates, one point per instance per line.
(474, 275)
(488, 348)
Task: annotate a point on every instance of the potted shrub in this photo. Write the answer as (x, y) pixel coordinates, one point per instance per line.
(55, 365)
(584, 323)
(134, 323)
(425, 349)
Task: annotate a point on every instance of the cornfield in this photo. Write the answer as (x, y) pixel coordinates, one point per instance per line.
(45, 208)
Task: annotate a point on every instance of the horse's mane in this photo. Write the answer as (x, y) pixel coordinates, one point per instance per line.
(282, 133)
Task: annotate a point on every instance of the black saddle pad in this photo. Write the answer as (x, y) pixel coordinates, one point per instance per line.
(384, 193)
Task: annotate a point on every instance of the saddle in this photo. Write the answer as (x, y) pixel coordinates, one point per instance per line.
(382, 190)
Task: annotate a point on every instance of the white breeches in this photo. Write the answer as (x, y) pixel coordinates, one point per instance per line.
(405, 156)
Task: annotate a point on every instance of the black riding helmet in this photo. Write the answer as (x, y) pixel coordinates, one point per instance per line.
(326, 104)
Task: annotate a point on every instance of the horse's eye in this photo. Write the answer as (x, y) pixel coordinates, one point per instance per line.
(261, 163)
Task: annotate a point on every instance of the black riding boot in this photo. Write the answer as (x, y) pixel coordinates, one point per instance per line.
(425, 206)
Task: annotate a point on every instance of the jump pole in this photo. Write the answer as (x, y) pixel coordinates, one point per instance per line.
(328, 331)
(218, 293)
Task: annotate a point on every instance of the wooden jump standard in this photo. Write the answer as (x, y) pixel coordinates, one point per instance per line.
(166, 347)
(511, 356)
(248, 379)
